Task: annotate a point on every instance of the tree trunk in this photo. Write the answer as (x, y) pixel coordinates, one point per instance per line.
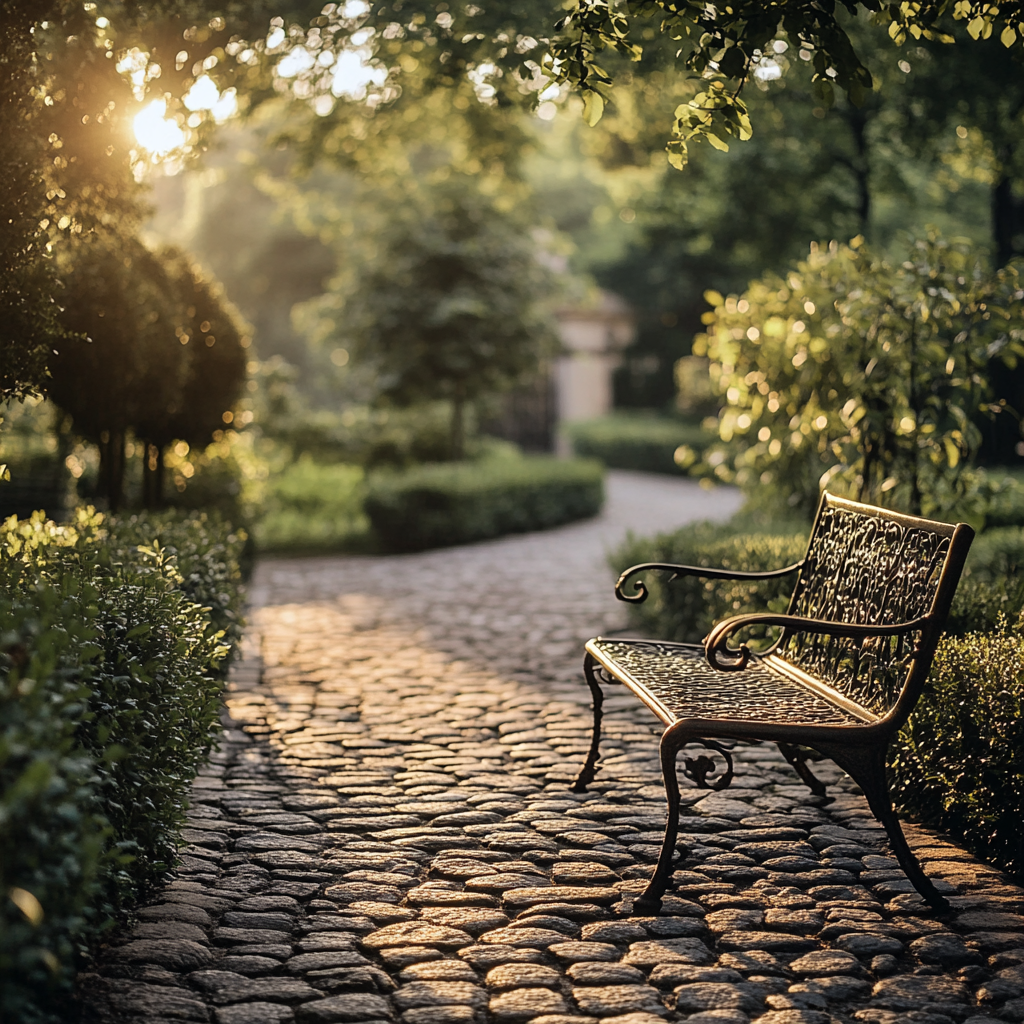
(112, 467)
(861, 168)
(1004, 218)
(458, 426)
(153, 477)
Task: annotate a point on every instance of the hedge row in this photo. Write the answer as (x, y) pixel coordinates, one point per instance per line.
(455, 503)
(957, 764)
(640, 442)
(114, 645)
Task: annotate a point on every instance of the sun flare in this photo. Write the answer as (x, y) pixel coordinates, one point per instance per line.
(155, 131)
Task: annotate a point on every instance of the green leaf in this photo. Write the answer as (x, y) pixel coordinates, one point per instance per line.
(593, 107)
(718, 143)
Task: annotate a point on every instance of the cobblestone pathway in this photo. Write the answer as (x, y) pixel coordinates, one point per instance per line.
(386, 834)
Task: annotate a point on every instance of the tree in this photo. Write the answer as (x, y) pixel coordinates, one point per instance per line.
(860, 374)
(447, 304)
(213, 342)
(121, 358)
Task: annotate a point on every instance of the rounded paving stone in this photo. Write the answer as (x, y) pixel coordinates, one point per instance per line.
(525, 1004)
(824, 962)
(351, 1007)
(174, 954)
(255, 1013)
(615, 1000)
(523, 976)
(417, 933)
(578, 952)
(524, 937)
(439, 993)
(945, 949)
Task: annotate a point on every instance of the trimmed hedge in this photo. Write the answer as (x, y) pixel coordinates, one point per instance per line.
(639, 442)
(455, 503)
(110, 679)
(957, 764)
(314, 507)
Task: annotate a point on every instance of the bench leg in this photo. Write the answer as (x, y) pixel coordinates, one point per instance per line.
(649, 901)
(589, 769)
(799, 764)
(867, 769)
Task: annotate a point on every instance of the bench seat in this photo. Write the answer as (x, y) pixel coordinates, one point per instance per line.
(676, 682)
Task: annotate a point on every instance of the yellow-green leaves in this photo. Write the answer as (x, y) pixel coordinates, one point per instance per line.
(593, 107)
(860, 374)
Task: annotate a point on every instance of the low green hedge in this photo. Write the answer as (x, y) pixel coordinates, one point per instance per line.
(455, 503)
(645, 443)
(110, 678)
(313, 506)
(957, 764)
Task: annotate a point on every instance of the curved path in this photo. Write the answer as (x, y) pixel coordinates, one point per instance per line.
(386, 833)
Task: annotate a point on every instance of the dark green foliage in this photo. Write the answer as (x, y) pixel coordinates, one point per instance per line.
(992, 588)
(110, 678)
(639, 442)
(436, 505)
(211, 343)
(687, 609)
(445, 304)
(957, 764)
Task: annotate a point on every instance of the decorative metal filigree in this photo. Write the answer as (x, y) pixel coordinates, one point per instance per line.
(680, 678)
(699, 768)
(873, 571)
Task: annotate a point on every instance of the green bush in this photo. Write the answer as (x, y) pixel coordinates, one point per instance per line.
(957, 763)
(313, 507)
(110, 678)
(687, 609)
(1006, 506)
(639, 442)
(455, 503)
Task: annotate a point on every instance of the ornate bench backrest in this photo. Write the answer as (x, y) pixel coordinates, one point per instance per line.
(872, 566)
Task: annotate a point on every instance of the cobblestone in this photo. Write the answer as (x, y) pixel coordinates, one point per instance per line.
(386, 834)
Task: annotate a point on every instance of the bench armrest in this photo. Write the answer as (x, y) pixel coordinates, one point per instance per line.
(679, 571)
(726, 660)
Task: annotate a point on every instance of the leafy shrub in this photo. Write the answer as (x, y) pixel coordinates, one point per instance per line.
(992, 588)
(861, 373)
(639, 442)
(957, 763)
(110, 677)
(312, 507)
(455, 503)
(686, 609)
(1006, 506)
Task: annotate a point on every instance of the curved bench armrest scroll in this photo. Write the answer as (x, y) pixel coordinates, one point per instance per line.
(725, 660)
(679, 571)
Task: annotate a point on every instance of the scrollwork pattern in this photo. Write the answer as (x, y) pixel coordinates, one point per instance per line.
(869, 570)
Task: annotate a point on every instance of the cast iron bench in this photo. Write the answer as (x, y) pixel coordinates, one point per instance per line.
(870, 602)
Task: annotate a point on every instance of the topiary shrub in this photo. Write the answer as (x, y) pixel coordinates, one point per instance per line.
(455, 503)
(957, 763)
(110, 681)
(640, 442)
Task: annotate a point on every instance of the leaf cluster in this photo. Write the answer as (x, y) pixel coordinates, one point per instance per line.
(860, 374)
(110, 676)
(724, 45)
